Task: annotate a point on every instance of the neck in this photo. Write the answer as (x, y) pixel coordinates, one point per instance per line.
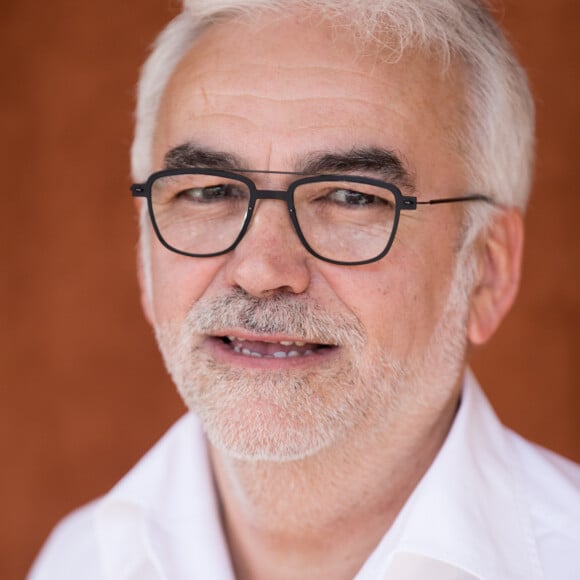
(322, 516)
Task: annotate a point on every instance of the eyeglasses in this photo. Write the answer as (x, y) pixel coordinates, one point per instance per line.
(342, 219)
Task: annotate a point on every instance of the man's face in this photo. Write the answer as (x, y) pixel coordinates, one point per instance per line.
(379, 336)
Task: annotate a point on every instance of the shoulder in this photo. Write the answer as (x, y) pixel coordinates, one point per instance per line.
(552, 483)
(75, 549)
(552, 487)
(530, 496)
(71, 551)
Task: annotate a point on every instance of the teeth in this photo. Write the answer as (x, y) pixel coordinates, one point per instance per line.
(291, 354)
(279, 354)
(238, 347)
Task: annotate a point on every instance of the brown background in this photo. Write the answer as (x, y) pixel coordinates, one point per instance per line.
(83, 392)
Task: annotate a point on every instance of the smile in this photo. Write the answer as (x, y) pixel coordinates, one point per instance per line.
(279, 350)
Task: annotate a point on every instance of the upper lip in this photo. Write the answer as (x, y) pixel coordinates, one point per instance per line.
(269, 338)
(282, 342)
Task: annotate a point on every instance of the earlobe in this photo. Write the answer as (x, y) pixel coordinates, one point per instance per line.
(497, 282)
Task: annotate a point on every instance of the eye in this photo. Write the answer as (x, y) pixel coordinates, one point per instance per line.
(212, 194)
(352, 198)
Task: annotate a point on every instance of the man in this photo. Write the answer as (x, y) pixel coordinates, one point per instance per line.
(331, 196)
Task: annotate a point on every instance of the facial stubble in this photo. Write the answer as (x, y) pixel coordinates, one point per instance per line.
(292, 414)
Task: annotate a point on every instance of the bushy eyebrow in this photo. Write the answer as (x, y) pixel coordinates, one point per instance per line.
(192, 156)
(384, 163)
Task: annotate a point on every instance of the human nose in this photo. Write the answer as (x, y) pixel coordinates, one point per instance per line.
(270, 258)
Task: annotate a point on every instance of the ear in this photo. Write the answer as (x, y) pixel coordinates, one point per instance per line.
(143, 265)
(499, 267)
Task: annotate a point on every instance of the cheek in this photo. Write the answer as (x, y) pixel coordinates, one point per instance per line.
(399, 300)
(178, 282)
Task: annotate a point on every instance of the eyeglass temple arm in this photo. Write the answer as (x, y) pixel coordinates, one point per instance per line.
(475, 197)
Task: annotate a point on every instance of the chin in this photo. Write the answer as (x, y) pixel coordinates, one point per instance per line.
(266, 430)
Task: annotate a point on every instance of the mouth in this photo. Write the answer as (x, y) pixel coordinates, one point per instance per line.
(273, 349)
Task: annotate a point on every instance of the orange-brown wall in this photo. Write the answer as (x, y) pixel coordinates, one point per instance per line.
(83, 392)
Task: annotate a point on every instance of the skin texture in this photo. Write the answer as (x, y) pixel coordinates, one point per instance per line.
(300, 500)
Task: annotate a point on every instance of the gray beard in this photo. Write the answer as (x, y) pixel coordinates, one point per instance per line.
(290, 415)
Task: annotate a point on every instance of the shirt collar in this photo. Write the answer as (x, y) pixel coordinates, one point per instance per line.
(162, 520)
(469, 514)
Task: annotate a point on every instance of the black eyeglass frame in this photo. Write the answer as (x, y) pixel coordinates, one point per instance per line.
(402, 203)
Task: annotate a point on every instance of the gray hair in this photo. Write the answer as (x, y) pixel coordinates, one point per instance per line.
(498, 140)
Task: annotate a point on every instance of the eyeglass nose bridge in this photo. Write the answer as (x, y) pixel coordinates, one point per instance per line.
(285, 195)
(281, 194)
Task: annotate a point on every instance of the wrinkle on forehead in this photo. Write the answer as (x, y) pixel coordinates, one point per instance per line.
(337, 75)
(281, 92)
(303, 74)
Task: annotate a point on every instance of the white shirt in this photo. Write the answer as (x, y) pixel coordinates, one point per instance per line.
(491, 507)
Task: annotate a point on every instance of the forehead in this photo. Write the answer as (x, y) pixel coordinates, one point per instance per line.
(267, 89)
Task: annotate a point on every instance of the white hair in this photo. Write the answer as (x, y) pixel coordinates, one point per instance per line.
(498, 139)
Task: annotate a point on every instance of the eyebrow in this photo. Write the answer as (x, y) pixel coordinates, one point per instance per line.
(386, 163)
(192, 156)
(383, 162)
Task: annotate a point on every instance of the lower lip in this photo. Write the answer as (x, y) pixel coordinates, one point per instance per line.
(225, 354)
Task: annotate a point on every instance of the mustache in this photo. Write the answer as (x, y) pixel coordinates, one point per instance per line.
(281, 313)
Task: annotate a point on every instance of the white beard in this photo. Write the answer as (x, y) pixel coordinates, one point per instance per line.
(290, 415)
